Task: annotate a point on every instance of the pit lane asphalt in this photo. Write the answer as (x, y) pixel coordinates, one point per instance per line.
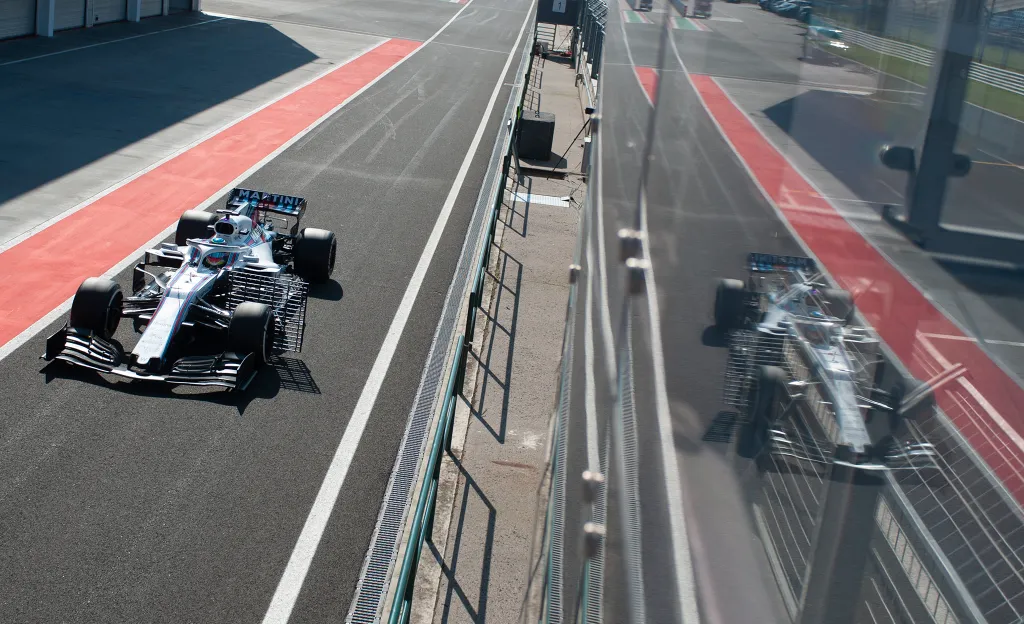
(128, 503)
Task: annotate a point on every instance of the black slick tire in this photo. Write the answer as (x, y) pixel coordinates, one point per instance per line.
(97, 307)
(730, 300)
(839, 303)
(251, 330)
(315, 254)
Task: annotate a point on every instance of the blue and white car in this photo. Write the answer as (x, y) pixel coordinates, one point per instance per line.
(785, 308)
(791, 336)
(212, 306)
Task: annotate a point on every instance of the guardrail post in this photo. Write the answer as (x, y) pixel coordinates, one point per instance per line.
(832, 589)
(599, 46)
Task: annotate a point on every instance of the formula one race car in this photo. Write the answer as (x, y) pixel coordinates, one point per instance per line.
(792, 337)
(212, 306)
(786, 313)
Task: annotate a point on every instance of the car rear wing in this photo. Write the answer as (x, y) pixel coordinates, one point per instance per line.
(772, 263)
(281, 204)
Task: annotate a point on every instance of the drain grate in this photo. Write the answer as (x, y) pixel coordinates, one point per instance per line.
(380, 558)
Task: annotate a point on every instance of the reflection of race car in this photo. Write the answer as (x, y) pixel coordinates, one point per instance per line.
(786, 300)
(788, 330)
(231, 290)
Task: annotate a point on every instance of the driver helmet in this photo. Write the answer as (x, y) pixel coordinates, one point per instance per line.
(216, 260)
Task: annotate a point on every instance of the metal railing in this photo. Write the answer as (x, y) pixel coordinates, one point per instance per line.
(423, 516)
(589, 40)
(992, 76)
(906, 575)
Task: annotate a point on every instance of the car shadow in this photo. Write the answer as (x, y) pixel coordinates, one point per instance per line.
(712, 336)
(328, 291)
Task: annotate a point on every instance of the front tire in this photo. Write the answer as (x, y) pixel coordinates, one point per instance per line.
(97, 307)
(251, 330)
(730, 304)
(315, 254)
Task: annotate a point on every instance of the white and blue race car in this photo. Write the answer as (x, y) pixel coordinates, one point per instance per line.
(212, 306)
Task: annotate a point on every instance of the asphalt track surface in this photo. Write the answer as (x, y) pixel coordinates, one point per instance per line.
(704, 214)
(127, 503)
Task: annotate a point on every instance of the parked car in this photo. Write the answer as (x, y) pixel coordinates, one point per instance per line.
(787, 9)
(822, 43)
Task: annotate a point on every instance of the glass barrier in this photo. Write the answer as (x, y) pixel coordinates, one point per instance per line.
(794, 373)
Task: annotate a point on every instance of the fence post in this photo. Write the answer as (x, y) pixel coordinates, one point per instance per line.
(599, 45)
(837, 564)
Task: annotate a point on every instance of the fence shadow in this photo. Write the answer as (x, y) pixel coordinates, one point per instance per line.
(509, 277)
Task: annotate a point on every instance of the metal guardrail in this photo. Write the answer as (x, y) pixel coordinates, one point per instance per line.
(992, 76)
(589, 39)
(423, 515)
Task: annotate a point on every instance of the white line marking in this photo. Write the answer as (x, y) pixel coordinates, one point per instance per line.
(593, 458)
(316, 522)
(102, 43)
(41, 324)
(466, 47)
(686, 588)
(1007, 343)
(1010, 432)
(606, 320)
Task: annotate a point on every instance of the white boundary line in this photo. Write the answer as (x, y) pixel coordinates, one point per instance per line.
(35, 328)
(294, 575)
(590, 406)
(103, 43)
(686, 586)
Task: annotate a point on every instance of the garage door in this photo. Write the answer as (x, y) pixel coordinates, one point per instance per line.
(109, 11)
(152, 7)
(178, 6)
(17, 18)
(68, 14)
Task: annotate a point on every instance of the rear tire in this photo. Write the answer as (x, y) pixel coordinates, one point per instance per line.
(251, 330)
(193, 224)
(730, 301)
(97, 307)
(315, 254)
(839, 303)
(771, 384)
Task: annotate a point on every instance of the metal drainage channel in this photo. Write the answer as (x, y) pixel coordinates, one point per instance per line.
(380, 560)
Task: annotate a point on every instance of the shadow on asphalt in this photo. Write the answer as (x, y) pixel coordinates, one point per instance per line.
(712, 336)
(508, 269)
(510, 211)
(476, 613)
(76, 108)
(330, 291)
